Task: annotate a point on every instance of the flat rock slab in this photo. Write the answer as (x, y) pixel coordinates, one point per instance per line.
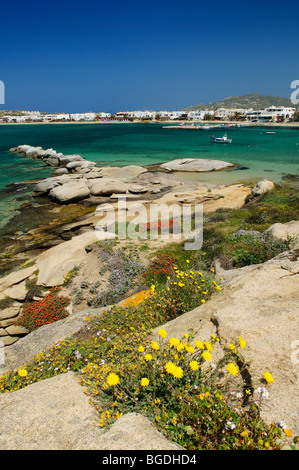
(283, 231)
(70, 192)
(53, 414)
(195, 164)
(15, 277)
(135, 432)
(54, 264)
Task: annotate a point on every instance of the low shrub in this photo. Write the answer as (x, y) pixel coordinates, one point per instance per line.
(123, 266)
(160, 268)
(183, 291)
(251, 247)
(48, 310)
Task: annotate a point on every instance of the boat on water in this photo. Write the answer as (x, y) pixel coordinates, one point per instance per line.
(221, 140)
(269, 132)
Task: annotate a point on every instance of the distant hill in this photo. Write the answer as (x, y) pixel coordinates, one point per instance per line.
(253, 100)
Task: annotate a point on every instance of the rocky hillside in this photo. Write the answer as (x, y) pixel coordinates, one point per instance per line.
(252, 100)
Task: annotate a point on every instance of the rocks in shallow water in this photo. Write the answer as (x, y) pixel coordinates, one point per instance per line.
(195, 164)
(60, 171)
(45, 185)
(52, 161)
(79, 164)
(137, 189)
(106, 186)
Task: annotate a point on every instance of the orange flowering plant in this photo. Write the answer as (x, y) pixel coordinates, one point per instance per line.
(42, 312)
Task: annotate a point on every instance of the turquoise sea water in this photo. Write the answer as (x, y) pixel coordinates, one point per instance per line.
(257, 154)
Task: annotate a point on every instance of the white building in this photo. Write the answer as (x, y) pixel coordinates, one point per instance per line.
(272, 113)
(199, 115)
(136, 114)
(103, 115)
(57, 117)
(83, 116)
(228, 113)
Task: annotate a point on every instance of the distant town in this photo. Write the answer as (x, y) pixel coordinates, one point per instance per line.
(270, 114)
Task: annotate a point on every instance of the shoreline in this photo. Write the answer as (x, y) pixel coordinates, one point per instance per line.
(247, 124)
(39, 223)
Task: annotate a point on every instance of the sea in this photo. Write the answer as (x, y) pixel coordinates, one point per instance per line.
(256, 154)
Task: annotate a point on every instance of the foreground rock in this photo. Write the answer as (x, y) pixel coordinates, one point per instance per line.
(55, 414)
(195, 164)
(134, 432)
(54, 264)
(280, 231)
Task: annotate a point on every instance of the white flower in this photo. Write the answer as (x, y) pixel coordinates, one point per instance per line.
(263, 392)
(230, 425)
(281, 424)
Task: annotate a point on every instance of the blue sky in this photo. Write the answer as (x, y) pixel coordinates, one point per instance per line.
(75, 56)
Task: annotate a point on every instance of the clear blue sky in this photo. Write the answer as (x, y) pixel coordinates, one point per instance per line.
(75, 56)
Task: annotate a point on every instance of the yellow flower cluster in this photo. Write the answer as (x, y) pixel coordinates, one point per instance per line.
(173, 369)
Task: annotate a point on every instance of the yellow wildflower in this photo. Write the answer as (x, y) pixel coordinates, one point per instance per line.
(268, 377)
(242, 343)
(22, 372)
(174, 341)
(169, 367)
(207, 356)
(189, 348)
(144, 382)
(155, 345)
(199, 344)
(194, 365)
(232, 347)
(148, 357)
(232, 368)
(177, 372)
(112, 379)
(208, 346)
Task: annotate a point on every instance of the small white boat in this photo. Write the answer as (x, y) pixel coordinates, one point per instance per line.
(221, 140)
(270, 132)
